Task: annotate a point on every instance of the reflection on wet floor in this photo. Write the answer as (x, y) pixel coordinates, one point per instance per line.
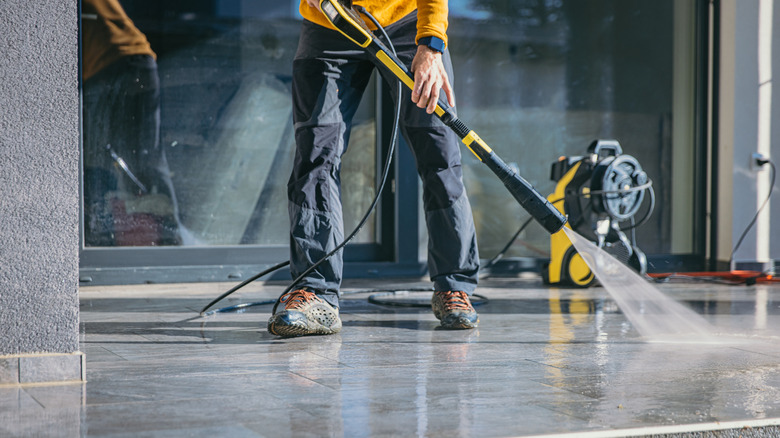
(607, 305)
(544, 360)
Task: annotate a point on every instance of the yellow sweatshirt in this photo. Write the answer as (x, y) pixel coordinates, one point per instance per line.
(431, 14)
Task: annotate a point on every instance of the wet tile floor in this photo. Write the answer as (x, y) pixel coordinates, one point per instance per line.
(543, 361)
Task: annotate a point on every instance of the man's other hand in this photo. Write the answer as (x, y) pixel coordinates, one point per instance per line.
(429, 78)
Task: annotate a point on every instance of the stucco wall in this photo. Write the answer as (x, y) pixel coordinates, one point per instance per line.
(39, 191)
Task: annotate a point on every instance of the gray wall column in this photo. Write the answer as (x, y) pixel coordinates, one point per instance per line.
(39, 192)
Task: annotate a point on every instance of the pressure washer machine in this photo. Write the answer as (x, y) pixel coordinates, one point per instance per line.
(601, 193)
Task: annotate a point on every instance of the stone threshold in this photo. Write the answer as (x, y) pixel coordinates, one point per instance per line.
(42, 368)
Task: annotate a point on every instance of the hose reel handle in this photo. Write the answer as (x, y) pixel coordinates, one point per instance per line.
(605, 148)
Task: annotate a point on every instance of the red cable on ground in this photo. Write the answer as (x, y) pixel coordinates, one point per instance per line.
(737, 277)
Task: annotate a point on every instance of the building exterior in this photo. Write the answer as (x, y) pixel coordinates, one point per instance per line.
(685, 86)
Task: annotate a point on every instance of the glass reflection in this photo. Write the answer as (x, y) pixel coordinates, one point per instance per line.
(214, 123)
(210, 116)
(542, 79)
(128, 192)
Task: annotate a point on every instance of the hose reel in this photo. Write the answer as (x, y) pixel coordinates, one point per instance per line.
(612, 184)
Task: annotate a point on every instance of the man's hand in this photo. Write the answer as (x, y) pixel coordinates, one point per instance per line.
(429, 78)
(314, 4)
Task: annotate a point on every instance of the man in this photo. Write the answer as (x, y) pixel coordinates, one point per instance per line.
(330, 74)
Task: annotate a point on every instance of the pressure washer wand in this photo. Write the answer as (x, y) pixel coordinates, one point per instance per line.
(347, 21)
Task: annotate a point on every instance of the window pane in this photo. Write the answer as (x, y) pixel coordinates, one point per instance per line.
(542, 79)
(204, 157)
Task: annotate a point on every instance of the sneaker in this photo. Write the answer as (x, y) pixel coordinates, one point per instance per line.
(454, 310)
(304, 314)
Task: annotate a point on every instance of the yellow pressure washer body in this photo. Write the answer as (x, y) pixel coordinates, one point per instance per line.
(597, 192)
(566, 266)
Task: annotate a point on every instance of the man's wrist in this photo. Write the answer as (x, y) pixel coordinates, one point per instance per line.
(432, 42)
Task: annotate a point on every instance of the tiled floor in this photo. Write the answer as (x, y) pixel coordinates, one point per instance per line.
(543, 361)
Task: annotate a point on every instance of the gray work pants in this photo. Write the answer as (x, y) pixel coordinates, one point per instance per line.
(330, 74)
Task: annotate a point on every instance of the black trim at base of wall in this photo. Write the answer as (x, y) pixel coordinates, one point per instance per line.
(770, 267)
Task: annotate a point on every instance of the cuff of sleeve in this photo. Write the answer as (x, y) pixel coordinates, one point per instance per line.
(432, 42)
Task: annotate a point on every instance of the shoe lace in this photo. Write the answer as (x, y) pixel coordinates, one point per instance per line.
(456, 300)
(296, 299)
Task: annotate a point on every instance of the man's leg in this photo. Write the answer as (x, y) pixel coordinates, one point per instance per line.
(329, 78)
(99, 177)
(453, 258)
